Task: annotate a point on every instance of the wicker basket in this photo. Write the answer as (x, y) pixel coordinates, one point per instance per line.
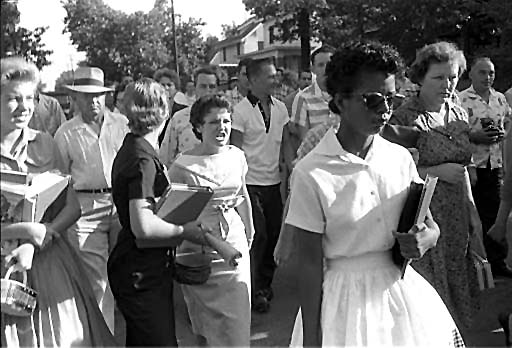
(17, 298)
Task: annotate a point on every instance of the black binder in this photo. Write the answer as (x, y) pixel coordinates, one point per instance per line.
(414, 211)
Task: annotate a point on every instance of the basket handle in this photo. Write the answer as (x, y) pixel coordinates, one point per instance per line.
(11, 270)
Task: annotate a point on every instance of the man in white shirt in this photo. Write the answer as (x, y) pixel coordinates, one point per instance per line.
(488, 114)
(257, 128)
(88, 144)
(179, 136)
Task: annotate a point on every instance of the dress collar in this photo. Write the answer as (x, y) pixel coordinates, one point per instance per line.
(330, 146)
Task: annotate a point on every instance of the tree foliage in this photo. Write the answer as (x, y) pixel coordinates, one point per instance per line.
(133, 44)
(21, 41)
(478, 26)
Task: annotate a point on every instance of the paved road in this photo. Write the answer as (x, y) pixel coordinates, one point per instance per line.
(274, 328)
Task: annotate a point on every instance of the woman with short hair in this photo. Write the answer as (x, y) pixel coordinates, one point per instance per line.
(67, 313)
(444, 151)
(141, 279)
(346, 199)
(220, 309)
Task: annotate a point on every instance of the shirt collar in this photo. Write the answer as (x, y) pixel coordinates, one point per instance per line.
(415, 104)
(318, 92)
(80, 123)
(330, 146)
(27, 135)
(472, 93)
(254, 100)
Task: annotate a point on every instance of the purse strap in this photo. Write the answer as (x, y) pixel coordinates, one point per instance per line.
(11, 270)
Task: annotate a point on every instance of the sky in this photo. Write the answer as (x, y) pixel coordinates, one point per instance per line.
(35, 13)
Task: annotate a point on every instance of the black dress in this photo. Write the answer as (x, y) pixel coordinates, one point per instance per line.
(140, 279)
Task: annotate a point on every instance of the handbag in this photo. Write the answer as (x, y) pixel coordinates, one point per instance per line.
(17, 298)
(483, 272)
(192, 268)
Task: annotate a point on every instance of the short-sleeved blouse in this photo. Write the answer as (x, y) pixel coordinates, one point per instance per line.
(355, 203)
(437, 144)
(34, 152)
(137, 173)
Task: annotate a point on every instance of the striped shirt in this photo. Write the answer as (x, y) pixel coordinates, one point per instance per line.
(311, 107)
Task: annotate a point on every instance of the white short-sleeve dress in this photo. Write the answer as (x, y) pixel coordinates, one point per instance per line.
(220, 309)
(356, 204)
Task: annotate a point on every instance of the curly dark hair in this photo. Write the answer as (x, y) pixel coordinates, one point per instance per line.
(202, 107)
(349, 61)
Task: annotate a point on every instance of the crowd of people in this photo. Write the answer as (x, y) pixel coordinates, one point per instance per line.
(319, 171)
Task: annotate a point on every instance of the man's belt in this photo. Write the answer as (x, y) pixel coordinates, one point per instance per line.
(102, 190)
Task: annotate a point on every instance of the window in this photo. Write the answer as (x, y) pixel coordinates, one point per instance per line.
(224, 54)
(271, 37)
(260, 45)
(238, 49)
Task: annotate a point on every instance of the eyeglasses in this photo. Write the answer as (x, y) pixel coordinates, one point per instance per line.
(374, 100)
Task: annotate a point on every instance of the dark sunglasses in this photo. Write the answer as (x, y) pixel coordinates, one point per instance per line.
(374, 100)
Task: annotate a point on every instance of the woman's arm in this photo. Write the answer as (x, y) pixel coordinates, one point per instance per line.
(145, 224)
(39, 233)
(310, 258)
(453, 173)
(69, 214)
(475, 224)
(245, 212)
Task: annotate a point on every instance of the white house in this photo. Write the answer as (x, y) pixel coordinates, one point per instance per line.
(257, 39)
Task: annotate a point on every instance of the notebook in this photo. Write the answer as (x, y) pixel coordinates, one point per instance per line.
(414, 212)
(26, 197)
(179, 204)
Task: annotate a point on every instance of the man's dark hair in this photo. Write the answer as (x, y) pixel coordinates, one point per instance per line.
(206, 70)
(346, 65)
(244, 62)
(254, 66)
(321, 49)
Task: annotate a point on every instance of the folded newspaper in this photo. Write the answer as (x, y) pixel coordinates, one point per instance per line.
(26, 197)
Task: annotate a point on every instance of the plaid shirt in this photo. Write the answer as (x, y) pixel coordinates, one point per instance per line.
(315, 134)
(283, 91)
(477, 108)
(234, 96)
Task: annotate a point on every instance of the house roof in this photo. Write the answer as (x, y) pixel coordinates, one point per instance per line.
(243, 30)
(273, 51)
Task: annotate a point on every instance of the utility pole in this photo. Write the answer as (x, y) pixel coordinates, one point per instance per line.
(175, 40)
(305, 37)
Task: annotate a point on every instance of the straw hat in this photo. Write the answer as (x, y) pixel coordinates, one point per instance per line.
(88, 80)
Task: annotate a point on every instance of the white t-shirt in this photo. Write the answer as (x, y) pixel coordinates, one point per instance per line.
(261, 148)
(356, 203)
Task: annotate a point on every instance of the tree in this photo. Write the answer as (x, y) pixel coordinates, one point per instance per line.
(20, 41)
(229, 30)
(478, 26)
(294, 19)
(132, 44)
